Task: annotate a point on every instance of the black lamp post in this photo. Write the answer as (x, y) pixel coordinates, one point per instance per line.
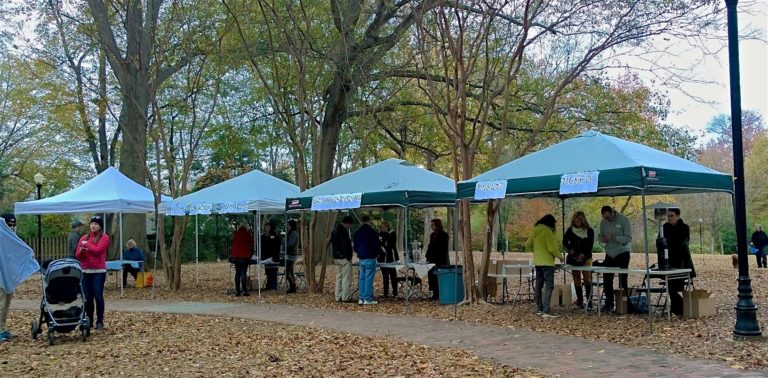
(701, 240)
(39, 179)
(746, 312)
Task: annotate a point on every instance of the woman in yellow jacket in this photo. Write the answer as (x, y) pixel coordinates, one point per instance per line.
(545, 250)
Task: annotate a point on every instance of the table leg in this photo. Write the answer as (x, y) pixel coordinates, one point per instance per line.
(600, 294)
(667, 305)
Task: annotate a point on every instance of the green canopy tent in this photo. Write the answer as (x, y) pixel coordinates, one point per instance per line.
(390, 183)
(596, 165)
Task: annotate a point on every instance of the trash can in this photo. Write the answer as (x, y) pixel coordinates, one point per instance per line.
(450, 281)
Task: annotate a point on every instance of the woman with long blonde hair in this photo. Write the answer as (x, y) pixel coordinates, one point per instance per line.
(578, 241)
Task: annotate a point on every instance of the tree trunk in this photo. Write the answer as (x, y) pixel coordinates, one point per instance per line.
(491, 212)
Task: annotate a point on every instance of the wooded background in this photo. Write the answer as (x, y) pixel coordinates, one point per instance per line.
(181, 95)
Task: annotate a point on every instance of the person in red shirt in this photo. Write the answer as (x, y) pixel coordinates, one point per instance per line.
(92, 254)
(242, 250)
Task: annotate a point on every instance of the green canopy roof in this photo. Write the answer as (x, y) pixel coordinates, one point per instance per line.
(392, 182)
(625, 168)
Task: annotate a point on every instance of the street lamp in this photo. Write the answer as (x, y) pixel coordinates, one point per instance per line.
(39, 179)
(746, 312)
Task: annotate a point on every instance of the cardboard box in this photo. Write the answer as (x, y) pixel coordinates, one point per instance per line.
(561, 296)
(698, 304)
(494, 286)
(497, 265)
(253, 284)
(620, 301)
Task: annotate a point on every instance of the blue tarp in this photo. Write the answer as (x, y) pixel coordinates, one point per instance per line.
(17, 262)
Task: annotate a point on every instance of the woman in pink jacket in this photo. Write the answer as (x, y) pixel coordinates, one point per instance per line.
(92, 254)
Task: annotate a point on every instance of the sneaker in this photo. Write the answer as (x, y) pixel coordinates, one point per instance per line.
(238, 294)
(99, 326)
(546, 315)
(539, 312)
(360, 301)
(5, 336)
(370, 302)
(247, 294)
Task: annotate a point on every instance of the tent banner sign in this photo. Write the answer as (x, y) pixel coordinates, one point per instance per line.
(175, 208)
(230, 207)
(490, 189)
(582, 182)
(337, 201)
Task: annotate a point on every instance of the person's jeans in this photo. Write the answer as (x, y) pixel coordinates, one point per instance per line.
(675, 299)
(762, 255)
(343, 279)
(545, 283)
(620, 261)
(5, 305)
(365, 279)
(241, 276)
(432, 282)
(389, 276)
(93, 289)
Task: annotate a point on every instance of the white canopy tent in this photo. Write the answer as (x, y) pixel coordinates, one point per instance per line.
(254, 191)
(108, 192)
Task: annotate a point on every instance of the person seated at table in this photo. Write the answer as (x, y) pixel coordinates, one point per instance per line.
(578, 242)
(132, 253)
(437, 253)
(388, 241)
(240, 256)
(544, 246)
(677, 234)
(616, 236)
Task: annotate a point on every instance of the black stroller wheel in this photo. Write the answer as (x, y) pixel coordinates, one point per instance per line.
(84, 334)
(50, 337)
(35, 330)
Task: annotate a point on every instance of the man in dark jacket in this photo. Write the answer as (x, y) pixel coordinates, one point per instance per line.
(367, 247)
(760, 242)
(73, 238)
(677, 234)
(341, 245)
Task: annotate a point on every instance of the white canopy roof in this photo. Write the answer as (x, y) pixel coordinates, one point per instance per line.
(252, 191)
(109, 192)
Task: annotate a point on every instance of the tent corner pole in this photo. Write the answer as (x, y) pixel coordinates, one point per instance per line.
(120, 248)
(647, 262)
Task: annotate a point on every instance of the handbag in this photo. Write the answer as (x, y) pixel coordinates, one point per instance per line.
(576, 259)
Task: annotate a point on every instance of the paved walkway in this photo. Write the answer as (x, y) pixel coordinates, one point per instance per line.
(568, 356)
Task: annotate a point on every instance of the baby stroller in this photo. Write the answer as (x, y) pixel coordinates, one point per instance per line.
(63, 305)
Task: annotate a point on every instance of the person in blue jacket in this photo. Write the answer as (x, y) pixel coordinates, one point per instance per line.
(132, 253)
(367, 247)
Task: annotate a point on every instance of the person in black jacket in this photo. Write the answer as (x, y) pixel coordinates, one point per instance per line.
(437, 253)
(677, 234)
(578, 242)
(270, 249)
(760, 242)
(388, 241)
(341, 244)
(367, 248)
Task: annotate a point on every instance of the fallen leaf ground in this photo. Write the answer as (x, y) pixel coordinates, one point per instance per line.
(710, 338)
(141, 344)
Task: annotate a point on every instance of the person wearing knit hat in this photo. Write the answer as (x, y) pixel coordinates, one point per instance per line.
(92, 254)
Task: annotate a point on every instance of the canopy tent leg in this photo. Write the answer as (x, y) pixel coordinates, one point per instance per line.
(120, 248)
(284, 246)
(647, 263)
(157, 247)
(197, 248)
(218, 241)
(408, 287)
(257, 241)
(562, 207)
(456, 259)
